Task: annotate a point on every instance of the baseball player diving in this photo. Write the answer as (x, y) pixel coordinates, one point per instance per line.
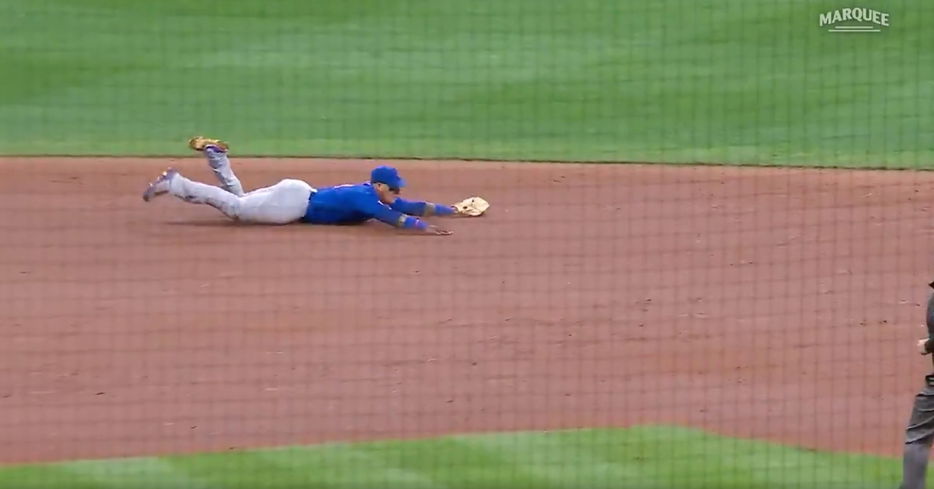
(293, 200)
(919, 433)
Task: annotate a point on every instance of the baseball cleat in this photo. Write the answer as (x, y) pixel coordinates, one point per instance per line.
(199, 143)
(160, 185)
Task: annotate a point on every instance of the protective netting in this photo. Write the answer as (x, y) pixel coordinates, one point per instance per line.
(651, 324)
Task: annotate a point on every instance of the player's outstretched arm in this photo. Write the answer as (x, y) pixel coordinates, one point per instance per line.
(421, 208)
(399, 219)
(470, 207)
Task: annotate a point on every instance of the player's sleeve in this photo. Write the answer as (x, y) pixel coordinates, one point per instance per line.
(419, 208)
(388, 215)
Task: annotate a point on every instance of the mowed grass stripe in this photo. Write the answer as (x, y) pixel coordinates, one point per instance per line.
(137, 473)
(706, 460)
(641, 457)
(449, 462)
(45, 477)
(566, 461)
(130, 473)
(234, 470)
(342, 466)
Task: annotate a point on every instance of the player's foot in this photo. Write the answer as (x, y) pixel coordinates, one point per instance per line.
(160, 185)
(200, 143)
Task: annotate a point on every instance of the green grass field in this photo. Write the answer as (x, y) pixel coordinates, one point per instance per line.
(638, 458)
(736, 81)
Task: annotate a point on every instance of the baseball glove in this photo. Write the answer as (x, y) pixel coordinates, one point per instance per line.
(198, 143)
(474, 206)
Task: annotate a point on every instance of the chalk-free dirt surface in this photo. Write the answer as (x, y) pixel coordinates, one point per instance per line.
(778, 304)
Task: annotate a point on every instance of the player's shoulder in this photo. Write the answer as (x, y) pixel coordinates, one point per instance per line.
(360, 193)
(354, 188)
(351, 189)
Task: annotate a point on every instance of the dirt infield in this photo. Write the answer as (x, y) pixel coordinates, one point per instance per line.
(768, 303)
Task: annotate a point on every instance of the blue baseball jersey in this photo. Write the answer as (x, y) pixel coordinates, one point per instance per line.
(358, 203)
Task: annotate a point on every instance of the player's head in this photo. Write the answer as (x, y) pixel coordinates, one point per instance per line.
(387, 182)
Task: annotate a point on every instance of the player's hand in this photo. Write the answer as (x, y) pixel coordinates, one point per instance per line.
(432, 229)
(920, 344)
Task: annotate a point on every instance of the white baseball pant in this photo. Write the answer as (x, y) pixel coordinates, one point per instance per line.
(281, 203)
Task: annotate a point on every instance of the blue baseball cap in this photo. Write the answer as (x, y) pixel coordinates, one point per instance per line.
(387, 175)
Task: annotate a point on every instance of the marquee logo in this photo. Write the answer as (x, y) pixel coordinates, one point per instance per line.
(855, 19)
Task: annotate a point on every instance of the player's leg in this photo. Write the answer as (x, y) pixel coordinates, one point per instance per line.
(220, 165)
(918, 437)
(281, 203)
(215, 151)
(172, 182)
